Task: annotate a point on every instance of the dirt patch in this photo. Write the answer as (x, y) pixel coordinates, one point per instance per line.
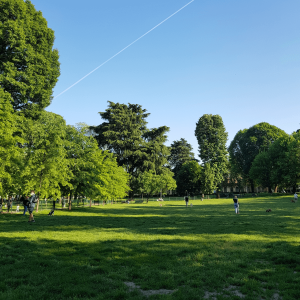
(232, 289)
(262, 261)
(148, 293)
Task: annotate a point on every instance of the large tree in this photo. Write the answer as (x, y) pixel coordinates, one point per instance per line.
(9, 152)
(181, 152)
(43, 166)
(29, 65)
(137, 148)
(188, 178)
(94, 172)
(285, 155)
(212, 137)
(247, 144)
(155, 149)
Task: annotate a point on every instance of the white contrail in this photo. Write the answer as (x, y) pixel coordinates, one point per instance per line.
(124, 48)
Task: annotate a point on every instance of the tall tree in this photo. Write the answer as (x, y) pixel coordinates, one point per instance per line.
(285, 156)
(181, 152)
(9, 152)
(212, 137)
(94, 172)
(261, 170)
(208, 181)
(29, 65)
(188, 178)
(156, 151)
(137, 148)
(43, 166)
(247, 144)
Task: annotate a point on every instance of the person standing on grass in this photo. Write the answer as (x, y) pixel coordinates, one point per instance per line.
(295, 197)
(186, 199)
(32, 201)
(9, 203)
(236, 204)
(24, 200)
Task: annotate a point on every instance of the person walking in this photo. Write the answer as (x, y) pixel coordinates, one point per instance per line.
(24, 200)
(295, 197)
(9, 203)
(236, 204)
(32, 201)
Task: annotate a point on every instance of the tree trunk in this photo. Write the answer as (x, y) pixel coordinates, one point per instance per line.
(294, 189)
(70, 202)
(276, 188)
(269, 190)
(252, 186)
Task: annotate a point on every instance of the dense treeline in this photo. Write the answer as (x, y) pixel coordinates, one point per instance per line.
(37, 149)
(121, 156)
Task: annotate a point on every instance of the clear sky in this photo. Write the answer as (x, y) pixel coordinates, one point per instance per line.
(236, 58)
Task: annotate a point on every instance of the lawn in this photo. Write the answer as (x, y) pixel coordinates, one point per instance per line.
(144, 251)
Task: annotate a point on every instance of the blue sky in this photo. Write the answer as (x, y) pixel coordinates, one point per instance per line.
(236, 58)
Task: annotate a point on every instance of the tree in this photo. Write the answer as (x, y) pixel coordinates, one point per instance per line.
(94, 172)
(156, 152)
(29, 66)
(181, 152)
(209, 183)
(43, 165)
(212, 137)
(189, 178)
(166, 182)
(137, 148)
(152, 183)
(9, 152)
(261, 170)
(247, 144)
(285, 153)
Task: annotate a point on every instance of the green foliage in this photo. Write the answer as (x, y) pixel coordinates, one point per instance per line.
(261, 170)
(9, 151)
(137, 148)
(188, 178)
(208, 181)
(285, 156)
(156, 153)
(29, 66)
(212, 137)
(94, 172)
(181, 152)
(43, 165)
(152, 183)
(250, 142)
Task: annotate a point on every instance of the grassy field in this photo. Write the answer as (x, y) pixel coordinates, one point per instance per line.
(144, 251)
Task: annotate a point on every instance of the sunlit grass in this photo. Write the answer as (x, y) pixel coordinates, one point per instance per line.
(90, 252)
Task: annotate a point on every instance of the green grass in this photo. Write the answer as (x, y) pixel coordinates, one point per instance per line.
(89, 253)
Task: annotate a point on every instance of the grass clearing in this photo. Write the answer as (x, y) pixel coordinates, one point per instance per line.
(133, 251)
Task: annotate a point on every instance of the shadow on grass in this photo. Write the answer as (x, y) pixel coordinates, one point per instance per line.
(98, 270)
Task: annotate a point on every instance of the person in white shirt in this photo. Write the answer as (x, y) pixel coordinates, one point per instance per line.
(295, 197)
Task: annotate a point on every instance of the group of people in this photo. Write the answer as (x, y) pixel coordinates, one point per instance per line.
(28, 203)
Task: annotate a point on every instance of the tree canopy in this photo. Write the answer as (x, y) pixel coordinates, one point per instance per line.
(248, 143)
(188, 178)
(137, 149)
(29, 66)
(181, 152)
(212, 137)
